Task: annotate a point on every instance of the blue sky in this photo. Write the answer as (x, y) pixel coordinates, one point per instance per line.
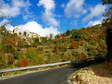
(61, 15)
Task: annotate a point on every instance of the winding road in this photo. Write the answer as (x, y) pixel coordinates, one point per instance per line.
(53, 76)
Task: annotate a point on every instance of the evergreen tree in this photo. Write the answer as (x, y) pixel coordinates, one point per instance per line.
(107, 1)
(108, 25)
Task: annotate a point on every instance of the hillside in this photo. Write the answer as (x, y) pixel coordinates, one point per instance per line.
(16, 51)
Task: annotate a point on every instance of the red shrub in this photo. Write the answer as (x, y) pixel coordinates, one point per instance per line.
(24, 62)
(74, 44)
(62, 36)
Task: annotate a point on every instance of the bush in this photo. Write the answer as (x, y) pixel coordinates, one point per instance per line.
(23, 62)
(74, 44)
(76, 35)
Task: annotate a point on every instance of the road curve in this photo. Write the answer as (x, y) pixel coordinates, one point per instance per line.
(53, 76)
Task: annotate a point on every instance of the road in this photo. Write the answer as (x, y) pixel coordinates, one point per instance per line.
(53, 76)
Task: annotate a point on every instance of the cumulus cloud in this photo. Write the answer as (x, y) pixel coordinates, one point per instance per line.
(32, 26)
(3, 22)
(75, 8)
(48, 15)
(37, 28)
(7, 24)
(97, 11)
(9, 27)
(49, 5)
(92, 23)
(28, 15)
(12, 9)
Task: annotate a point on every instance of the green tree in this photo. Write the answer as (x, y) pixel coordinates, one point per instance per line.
(25, 33)
(107, 1)
(108, 25)
(68, 32)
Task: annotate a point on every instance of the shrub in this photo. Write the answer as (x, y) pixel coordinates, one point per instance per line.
(76, 35)
(83, 56)
(74, 44)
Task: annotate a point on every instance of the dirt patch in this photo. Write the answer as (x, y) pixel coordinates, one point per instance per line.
(98, 74)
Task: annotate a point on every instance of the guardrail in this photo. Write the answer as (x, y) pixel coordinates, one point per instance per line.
(33, 67)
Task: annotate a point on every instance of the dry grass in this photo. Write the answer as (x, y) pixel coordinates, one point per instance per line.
(98, 74)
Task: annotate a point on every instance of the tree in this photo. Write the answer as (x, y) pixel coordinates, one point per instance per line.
(68, 32)
(107, 1)
(76, 35)
(25, 33)
(108, 25)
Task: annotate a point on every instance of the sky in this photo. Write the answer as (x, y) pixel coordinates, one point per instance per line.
(46, 17)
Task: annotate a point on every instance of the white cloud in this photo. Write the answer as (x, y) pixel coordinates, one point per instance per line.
(3, 22)
(75, 8)
(63, 5)
(7, 24)
(49, 18)
(12, 9)
(48, 15)
(97, 11)
(36, 28)
(28, 15)
(47, 4)
(9, 27)
(92, 23)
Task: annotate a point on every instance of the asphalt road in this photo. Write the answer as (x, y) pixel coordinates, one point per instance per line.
(53, 76)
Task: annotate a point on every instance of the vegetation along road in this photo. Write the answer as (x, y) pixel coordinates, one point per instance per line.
(53, 76)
